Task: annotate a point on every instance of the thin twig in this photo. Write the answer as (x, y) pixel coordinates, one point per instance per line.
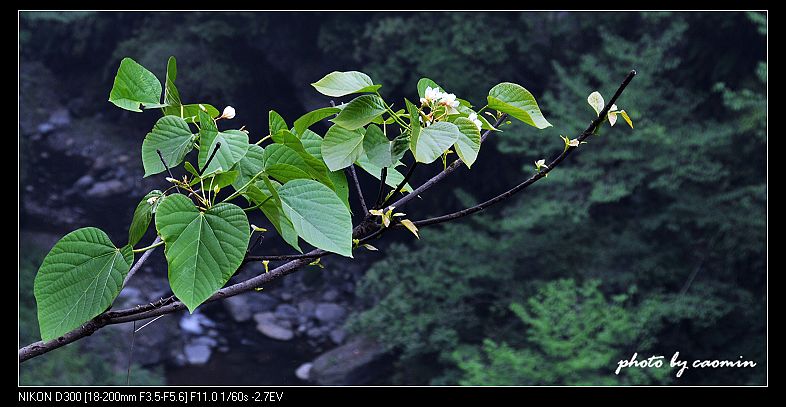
(141, 260)
(354, 176)
(382, 179)
(213, 154)
(163, 161)
(401, 184)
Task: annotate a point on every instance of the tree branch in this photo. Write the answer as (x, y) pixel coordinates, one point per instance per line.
(365, 231)
(541, 174)
(354, 175)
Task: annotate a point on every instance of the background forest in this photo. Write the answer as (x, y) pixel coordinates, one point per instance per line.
(651, 240)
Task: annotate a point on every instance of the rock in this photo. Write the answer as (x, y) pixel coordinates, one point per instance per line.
(83, 183)
(338, 336)
(204, 340)
(238, 308)
(306, 309)
(330, 295)
(329, 312)
(60, 117)
(261, 302)
(195, 323)
(197, 354)
(286, 311)
(267, 324)
(303, 370)
(314, 333)
(106, 188)
(359, 361)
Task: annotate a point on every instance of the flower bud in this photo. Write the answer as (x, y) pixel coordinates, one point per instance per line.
(229, 113)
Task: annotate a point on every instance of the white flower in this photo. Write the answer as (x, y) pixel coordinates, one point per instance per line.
(474, 117)
(151, 200)
(449, 100)
(229, 113)
(431, 94)
(574, 142)
(540, 164)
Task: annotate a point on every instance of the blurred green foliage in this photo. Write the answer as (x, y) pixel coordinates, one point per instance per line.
(70, 365)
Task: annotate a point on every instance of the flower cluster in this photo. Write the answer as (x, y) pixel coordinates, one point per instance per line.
(435, 97)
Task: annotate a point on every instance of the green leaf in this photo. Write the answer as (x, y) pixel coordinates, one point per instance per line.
(424, 83)
(468, 143)
(312, 117)
(312, 143)
(434, 140)
(337, 84)
(414, 124)
(271, 208)
(314, 166)
(203, 249)
(377, 147)
(318, 215)
(360, 112)
(234, 145)
(134, 86)
(172, 136)
(248, 166)
(398, 146)
(171, 95)
(142, 216)
(341, 147)
(393, 179)
(276, 122)
(595, 101)
(516, 101)
(341, 186)
(284, 163)
(79, 279)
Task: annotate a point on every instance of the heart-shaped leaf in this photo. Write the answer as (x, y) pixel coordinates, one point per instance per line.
(203, 249)
(79, 279)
